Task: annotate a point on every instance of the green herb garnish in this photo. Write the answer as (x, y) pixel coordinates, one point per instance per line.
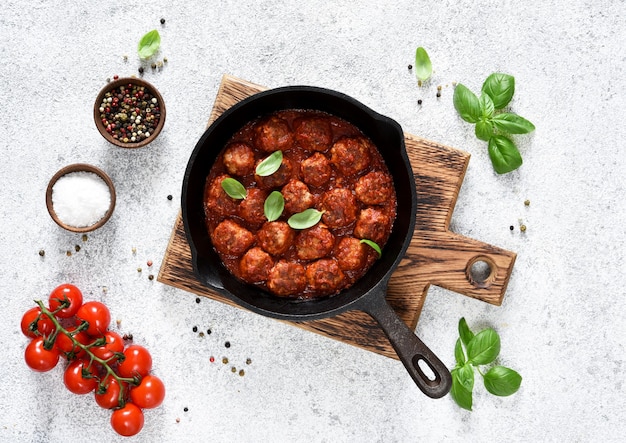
(149, 44)
(270, 164)
(372, 245)
(233, 188)
(274, 205)
(305, 219)
(482, 349)
(494, 128)
(423, 66)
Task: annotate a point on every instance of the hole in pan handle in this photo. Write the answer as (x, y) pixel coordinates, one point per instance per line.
(429, 373)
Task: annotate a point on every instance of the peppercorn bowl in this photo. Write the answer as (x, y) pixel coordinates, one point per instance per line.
(80, 197)
(129, 112)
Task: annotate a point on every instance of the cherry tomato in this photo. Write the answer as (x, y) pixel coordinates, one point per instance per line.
(65, 345)
(109, 399)
(45, 326)
(127, 421)
(66, 293)
(137, 361)
(114, 343)
(74, 379)
(97, 315)
(150, 392)
(39, 358)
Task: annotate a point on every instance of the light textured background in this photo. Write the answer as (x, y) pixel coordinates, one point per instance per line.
(562, 320)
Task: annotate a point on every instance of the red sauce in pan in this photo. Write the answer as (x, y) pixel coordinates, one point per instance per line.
(328, 164)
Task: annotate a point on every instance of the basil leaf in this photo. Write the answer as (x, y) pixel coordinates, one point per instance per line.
(459, 392)
(466, 103)
(305, 219)
(466, 376)
(486, 106)
(464, 332)
(423, 66)
(512, 123)
(504, 155)
(500, 87)
(373, 245)
(484, 129)
(149, 44)
(274, 205)
(270, 164)
(502, 381)
(459, 355)
(233, 188)
(484, 347)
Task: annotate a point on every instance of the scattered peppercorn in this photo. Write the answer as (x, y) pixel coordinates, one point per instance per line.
(149, 262)
(410, 67)
(162, 21)
(208, 331)
(151, 277)
(138, 269)
(77, 248)
(108, 80)
(194, 329)
(134, 250)
(128, 337)
(42, 252)
(439, 88)
(227, 344)
(115, 77)
(197, 299)
(140, 69)
(438, 94)
(526, 202)
(177, 420)
(169, 197)
(164, 59)
(248, 361)
(125, 58)
(419, 102)
(225, 360)
(212, 359)
(233, 369)
(153, 65)
(511, 227)
(522, 228)
(201, 334)
(68, 253)
(242, 373)
(85, 237)
(185, 409)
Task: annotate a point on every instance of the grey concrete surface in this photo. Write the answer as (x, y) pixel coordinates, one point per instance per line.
(562, 320)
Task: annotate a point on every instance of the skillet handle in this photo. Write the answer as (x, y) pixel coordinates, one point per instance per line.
(412, 351)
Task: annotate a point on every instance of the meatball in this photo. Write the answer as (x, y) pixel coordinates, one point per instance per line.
(374, 225)
(217, 200)
(255, 265)
(339, 206)
(287, 278)
(316, 170)
(278, 178)
(251, 209)
(297, 197)
(238, 159)
(276, 237)
(350, 155)
(230, 238)
(351, 254)
(325, 276)
(374, 188)
(313, 134)
(314, 243)
(273, 134)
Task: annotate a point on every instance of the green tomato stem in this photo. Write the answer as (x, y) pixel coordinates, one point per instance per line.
(92, 357)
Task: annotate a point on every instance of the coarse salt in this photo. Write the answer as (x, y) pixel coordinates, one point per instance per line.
(80, 198)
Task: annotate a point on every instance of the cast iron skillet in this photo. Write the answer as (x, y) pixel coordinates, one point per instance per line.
(368, 294)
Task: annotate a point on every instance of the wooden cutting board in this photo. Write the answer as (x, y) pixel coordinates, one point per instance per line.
(435, 256)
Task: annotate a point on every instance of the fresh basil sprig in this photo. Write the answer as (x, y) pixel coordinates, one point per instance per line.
(233, 188)
(373, 245)
(270, 164)
(423, 66)
(274, 206)
(480, 349)
(305, 219)
(491, 126)
(149, 44)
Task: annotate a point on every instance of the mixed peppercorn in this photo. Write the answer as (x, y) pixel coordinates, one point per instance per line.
(130, 113)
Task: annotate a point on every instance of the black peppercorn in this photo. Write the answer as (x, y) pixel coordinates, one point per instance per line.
(197, 299)
(227, 344)
(195, 329)
(438, 94)
(140, 69)
(511, 227)
(162, 21)
(419, 102)
(169, 197)
(410, 67)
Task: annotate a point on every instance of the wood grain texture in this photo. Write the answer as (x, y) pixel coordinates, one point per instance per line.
(436, 256)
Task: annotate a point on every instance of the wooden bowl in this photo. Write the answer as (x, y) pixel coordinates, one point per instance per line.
(97, 115)
(80, 167)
